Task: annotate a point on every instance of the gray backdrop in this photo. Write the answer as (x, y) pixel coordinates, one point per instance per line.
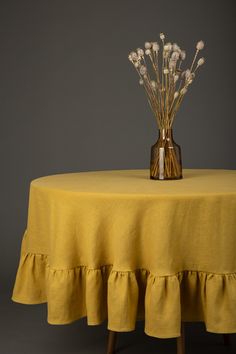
(70, 101)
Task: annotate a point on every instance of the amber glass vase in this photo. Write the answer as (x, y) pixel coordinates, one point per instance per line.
(165, 157)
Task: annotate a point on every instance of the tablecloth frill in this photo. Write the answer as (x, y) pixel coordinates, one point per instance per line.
(123, 297)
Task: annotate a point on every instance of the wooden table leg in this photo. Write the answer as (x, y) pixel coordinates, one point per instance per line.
(226, 338)
(181, 341)
(111, 342)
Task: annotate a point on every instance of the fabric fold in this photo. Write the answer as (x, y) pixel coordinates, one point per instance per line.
(122, 301)
(162, 306)
(123, 297)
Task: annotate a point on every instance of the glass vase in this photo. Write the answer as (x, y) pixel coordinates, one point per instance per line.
(165, 161)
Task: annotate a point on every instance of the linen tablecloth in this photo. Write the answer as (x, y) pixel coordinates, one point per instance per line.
(116, 245)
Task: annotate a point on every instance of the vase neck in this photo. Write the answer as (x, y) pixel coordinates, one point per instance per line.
(165, 133)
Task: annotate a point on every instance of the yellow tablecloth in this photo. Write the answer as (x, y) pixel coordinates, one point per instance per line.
(117, 245)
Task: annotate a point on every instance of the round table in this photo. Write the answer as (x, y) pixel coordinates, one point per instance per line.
(117, 245)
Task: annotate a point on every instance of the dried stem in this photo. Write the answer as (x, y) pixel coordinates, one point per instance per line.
(194, 59)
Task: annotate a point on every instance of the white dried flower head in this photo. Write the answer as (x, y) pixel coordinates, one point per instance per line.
(147, 51)
(175, 47)
(190, 81)
(183, 91)
(183, 54)
(176, 77)
(176, 94)
(200, 61)
(143, 70)
(187, 74)
(134, 56)
(166, 71)
(168, 47)
(148, 45)
(175, 56)
(140, 52)
(153, 83)
(141, 81)
(162, 36)
(200, 45)
(136, 64)
(155, 46)
(130, 57)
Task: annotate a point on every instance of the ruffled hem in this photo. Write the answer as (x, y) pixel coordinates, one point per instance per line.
(123, 297)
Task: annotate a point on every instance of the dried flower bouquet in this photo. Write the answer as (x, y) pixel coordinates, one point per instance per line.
(165, 84)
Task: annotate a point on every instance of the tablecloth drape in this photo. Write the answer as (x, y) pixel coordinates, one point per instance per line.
(117, 245)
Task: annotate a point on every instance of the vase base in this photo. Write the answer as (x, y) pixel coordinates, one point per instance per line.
(166, 178)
